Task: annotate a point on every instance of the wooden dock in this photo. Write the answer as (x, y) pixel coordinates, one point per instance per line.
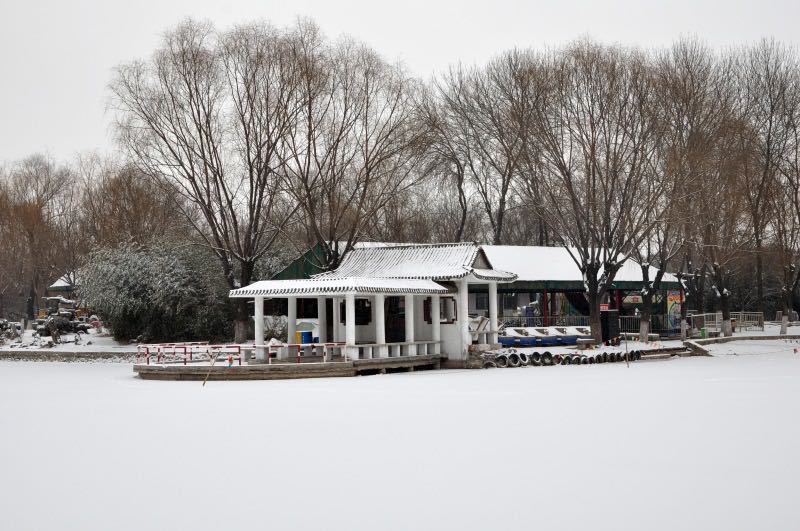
(285, 371)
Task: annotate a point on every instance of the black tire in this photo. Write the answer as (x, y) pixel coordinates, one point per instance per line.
(592, 360)
(547, 358)
(567, 360)
(584, 360)
(513, 360)
(558, 359)
(489, 364)
(602, 357)
(501, 361)
(575, 360)
(524, 359)
(535, 359)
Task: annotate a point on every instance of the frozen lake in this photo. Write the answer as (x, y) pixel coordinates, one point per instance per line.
(692, 443)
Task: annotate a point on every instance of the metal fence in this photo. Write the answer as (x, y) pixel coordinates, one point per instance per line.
(659, 324)
(516, 321)
(739, 321)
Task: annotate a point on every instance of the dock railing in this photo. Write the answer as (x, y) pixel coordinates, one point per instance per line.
(185, 353)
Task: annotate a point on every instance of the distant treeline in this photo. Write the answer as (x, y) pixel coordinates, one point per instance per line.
(252, 143)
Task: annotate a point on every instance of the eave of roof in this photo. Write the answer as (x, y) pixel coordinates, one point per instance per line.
(493, 274)
(338, 287)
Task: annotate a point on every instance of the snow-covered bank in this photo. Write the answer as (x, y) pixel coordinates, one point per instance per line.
(762, 348)
(70, 343)
(690, 443)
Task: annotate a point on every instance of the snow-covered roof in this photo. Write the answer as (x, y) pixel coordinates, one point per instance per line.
(337, 286)
(536, 264)
(443, 261)
(62, 284)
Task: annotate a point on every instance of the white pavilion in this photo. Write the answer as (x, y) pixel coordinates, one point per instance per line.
(392, 301)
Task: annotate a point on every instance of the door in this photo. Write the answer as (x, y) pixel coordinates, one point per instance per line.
(395, 314)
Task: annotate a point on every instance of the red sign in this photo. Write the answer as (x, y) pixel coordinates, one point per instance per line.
(604, 307)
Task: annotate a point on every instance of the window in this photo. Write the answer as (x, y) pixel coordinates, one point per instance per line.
(509, 302)
(363, 312)
(447, 307)
(426, 310)
(481, 301)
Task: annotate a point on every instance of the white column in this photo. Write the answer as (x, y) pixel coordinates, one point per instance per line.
(322, 320)
(291, 319)
(258, 336)
(336, 320)
(350, 326)
(380, 326)
(412, 349)
(436, 323)
(493, 312)
(463, 317)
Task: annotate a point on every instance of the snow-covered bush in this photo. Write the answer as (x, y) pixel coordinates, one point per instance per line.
(159, 292)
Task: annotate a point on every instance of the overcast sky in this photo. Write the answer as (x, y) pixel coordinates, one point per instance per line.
(56, 56)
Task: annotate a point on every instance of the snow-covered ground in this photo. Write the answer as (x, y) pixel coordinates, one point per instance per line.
(93, 341)
(691, 443)
(770, 329)
(761, 348)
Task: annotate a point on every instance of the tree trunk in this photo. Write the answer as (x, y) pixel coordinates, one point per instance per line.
(594, 313)
(724, 306)
(647, 311)
(789, 285)
(721, 291)
(759, 275)
(241, 321)
(31, 302)
(241, 316)
(684, 324)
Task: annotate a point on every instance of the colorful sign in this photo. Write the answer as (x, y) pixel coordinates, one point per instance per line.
(674, 308)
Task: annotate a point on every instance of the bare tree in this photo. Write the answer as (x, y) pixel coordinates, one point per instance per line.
(207, 114)
(786, 202)
(691, 98)
(596, 129)
(486, 114)
(120, 204)
(722, 234)
(763, 75)
(445, 163)
(355, 144)
(37, 226)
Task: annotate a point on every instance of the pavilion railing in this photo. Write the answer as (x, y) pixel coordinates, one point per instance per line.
(370, 351)
(327, 352)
